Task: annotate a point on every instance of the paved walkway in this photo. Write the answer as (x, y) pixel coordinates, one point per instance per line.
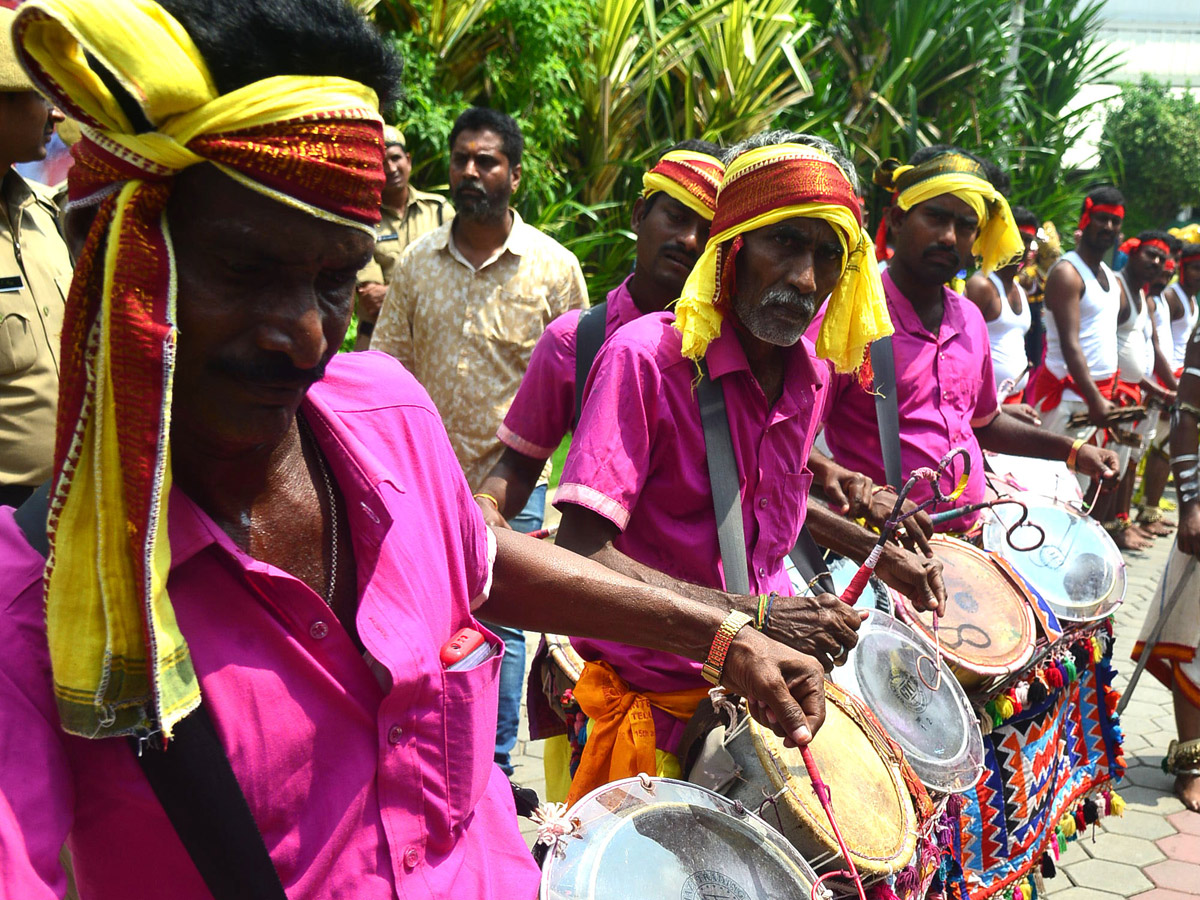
(1153, 853)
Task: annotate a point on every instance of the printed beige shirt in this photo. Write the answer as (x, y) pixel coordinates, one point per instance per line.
(467, 333)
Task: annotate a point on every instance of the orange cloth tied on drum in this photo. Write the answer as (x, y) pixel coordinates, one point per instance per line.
(315, 144)
(621, 736)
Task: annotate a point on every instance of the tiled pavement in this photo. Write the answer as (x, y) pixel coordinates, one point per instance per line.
(1153, 852)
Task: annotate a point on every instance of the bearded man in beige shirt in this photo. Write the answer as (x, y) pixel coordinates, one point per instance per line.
(464, 309)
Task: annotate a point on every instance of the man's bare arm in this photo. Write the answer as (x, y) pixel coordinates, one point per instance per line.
(510, 482)
(822, 626)
(980, 291)
(543, 588)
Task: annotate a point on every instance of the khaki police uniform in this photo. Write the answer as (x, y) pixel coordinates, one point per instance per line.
(423, 213)
(35, 277)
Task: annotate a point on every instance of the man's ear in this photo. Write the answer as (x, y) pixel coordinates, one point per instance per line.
(639, 213)
(896, 216)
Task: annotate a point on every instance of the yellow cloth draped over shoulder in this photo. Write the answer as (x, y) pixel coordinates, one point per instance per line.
(999, 240)
(120, 663)
(768, 185)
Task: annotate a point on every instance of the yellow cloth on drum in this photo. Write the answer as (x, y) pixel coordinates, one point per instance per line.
(999, 240)
(621, 736)
(120, 662)
(768, 185)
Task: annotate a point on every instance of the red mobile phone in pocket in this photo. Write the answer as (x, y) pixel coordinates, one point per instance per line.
(464, 645)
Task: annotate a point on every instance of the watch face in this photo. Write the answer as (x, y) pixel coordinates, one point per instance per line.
(711, 885)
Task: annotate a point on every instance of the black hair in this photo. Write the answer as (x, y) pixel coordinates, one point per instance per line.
(997, 176)
(1105, 196)
(1173, 242)
(250, 40)
(481, 118)
(1153, 235)
(1024, 217)
(1190, 249)
(693, 145)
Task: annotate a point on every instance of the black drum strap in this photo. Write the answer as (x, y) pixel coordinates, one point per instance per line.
(589, 337)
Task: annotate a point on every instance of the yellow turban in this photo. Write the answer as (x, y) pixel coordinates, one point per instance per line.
(768, 185)
(120, 662)
(688, 176)
(999, 241)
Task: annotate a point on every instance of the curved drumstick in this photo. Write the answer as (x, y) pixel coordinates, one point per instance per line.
(1022, 521)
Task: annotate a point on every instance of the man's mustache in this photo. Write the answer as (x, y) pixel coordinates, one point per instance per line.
(791, 298)
(272, 369)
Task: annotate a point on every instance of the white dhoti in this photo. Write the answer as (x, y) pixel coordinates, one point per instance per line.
(1175, 657)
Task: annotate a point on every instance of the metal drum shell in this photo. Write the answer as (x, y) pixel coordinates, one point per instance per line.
(870, 799)
(1044, 511)
(880, 636)
(621, 845)
(973, 671)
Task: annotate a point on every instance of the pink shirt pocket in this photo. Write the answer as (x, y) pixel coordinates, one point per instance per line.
(469, 724)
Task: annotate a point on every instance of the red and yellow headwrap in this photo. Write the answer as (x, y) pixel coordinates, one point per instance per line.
(768, 185)
(120, 662)
(999, 241)
(1090, 206)
(688, 176)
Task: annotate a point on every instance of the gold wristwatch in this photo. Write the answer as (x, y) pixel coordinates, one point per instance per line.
(715, 664)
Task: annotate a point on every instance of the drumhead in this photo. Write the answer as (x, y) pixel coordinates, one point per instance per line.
(1077, 570)
(989, 627)
(873, 807)
(672, 839)
(937, 730)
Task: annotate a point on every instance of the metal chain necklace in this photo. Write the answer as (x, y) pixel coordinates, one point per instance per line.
(333, 516)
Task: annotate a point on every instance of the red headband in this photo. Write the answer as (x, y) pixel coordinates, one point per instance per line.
(1158, 245)
(1089, 207)
(1191, 258)
(1028, 229)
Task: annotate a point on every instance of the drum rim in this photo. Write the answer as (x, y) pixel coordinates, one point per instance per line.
(1105, 605)
(911, 617)
(769, 754)
(972, 734)
(780, 845)
(560, 648)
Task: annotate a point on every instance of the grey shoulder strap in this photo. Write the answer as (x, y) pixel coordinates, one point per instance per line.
(887, 410)
(589, 337)
(723, 477)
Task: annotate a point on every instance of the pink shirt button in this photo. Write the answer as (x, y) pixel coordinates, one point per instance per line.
(763, 503)
(319, 630)
(395, 733)
(412, 856)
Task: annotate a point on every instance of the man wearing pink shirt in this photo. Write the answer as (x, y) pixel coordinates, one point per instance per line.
(295, 567)
(671, 221)
(946, 211)
(636, 491)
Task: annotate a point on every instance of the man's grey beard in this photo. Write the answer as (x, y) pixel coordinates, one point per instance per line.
(756, 318)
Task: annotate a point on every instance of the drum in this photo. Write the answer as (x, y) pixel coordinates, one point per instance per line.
(560, 672)
(1050, 478)
(989, 629)
(871, 799)
(937, 729)
(842, 570)
(658, 837)
(1077, 570)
